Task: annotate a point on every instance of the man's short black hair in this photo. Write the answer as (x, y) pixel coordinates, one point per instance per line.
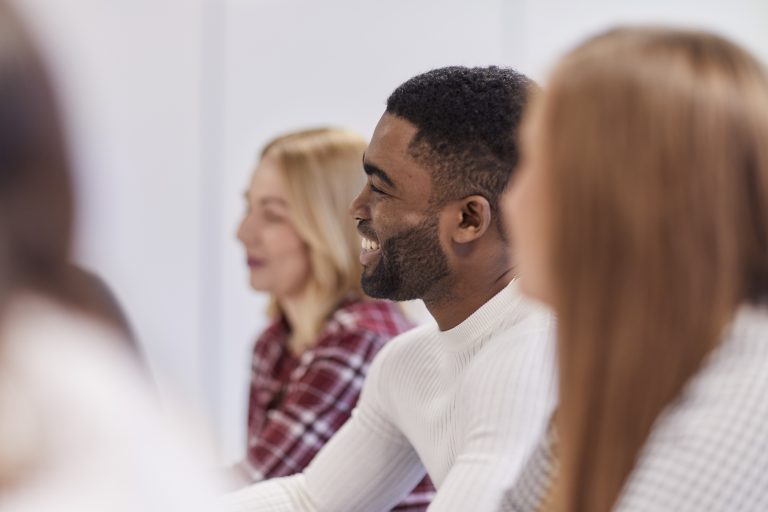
(467, 121)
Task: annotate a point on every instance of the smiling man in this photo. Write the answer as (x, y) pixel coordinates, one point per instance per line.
(463, 400)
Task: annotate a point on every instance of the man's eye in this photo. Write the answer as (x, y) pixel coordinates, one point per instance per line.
(375, 189)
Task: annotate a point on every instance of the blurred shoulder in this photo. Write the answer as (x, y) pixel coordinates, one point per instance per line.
(41, 335)
(86, 408)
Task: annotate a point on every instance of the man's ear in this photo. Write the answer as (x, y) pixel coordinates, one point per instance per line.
(473, 215)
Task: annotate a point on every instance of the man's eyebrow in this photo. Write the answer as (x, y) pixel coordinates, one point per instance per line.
(372, 170)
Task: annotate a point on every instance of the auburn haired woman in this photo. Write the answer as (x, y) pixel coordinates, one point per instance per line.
(641, 217)
(303, 249)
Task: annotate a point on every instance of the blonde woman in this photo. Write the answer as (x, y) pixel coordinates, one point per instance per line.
(641, 216)
(302, 249)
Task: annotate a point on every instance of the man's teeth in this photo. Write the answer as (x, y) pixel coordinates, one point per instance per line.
(369, 245)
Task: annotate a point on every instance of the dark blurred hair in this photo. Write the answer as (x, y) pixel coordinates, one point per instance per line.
(90, 293)
(35, 191)
(36, 199)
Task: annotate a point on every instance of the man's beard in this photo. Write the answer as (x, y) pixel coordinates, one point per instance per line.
(412, 265)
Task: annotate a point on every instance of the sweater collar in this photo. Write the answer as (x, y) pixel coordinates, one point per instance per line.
(485, 319)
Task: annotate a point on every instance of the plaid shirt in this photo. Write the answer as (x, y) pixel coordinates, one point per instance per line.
(297, 404)
(708, 451)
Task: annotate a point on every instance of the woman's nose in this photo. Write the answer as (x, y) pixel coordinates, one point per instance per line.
(247, 230)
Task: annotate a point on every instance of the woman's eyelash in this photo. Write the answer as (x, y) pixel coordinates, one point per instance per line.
(273, 217)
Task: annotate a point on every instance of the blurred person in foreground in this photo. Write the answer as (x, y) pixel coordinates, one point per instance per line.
(96, 296)
(302, 248)
(641, 215)
(466, 398)
(78, 429)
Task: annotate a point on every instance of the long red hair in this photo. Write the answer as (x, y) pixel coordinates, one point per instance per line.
(655, 148)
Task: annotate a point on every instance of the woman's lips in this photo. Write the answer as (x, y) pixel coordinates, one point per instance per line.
(255, 262)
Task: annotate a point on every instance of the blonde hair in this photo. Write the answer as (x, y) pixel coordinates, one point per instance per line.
(654, 145)
(322, 170)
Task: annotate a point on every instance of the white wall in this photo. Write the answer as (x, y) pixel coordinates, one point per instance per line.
(553, 26)
(170, 101)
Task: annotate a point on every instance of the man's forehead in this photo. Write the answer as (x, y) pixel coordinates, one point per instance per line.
(394, 129)
(390, 141)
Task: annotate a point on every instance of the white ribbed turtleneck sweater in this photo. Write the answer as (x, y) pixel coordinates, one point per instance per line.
(467, 404)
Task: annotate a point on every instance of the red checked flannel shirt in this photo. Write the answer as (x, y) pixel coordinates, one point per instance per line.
(297, 404)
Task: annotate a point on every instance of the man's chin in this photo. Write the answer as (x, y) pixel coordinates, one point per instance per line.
(372, 287)
(370, 290)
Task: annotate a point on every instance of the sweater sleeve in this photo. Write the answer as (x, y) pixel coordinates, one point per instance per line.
(528, 493)
(508, 409)
(368, 465)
